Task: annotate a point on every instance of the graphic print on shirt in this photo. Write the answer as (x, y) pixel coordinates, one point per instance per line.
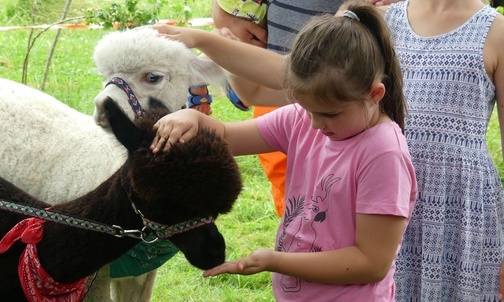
(304, 223)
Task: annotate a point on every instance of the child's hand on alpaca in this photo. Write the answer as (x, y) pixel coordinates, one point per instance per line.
(172, 128)
(259, 261)
(188, 36)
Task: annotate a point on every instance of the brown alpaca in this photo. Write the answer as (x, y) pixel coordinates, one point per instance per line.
(160, 188)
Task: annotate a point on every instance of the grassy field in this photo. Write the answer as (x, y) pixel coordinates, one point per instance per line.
(74, 80)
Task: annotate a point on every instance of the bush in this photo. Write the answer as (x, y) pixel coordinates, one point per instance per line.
(126, 15)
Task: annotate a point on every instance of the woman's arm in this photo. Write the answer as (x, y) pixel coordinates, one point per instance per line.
(494, 63)
(377, 240)
(495, 40)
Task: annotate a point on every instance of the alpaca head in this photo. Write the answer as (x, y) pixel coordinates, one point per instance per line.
(152, 66)
(196, 179)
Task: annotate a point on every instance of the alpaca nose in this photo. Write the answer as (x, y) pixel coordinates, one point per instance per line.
(114, 92)
(204, 247)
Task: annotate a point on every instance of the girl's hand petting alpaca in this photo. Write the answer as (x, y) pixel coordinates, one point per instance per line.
(259, 261)
(188, 36)
(179, 126)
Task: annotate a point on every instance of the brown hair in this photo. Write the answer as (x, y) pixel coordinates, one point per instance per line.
(339, 58)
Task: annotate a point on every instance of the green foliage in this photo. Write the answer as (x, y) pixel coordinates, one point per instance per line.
(126, 15)
(130, 14)
(21, 12)
(11, 11)
(16, 12)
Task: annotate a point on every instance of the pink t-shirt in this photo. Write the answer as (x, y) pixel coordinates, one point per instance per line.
(327, 183)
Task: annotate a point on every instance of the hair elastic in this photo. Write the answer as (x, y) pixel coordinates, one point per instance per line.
(350, 14)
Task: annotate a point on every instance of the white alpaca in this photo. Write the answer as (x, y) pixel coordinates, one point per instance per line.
(152, 66)
(56, 154)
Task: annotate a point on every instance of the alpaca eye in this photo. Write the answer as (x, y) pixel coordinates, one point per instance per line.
(153, 78)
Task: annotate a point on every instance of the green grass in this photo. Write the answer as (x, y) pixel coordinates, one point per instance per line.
(74, 80)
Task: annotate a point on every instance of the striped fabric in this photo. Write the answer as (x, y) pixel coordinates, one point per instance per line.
(287, 17)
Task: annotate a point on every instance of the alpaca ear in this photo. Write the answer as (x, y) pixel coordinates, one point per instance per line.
(206, 72)
(124, 129)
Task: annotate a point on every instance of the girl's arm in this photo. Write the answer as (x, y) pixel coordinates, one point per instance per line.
(368, 261)
(242, 137)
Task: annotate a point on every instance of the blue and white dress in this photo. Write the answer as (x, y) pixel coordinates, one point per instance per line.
(453, 245)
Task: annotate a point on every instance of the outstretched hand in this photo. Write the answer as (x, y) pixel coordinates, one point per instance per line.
(259, 261)
(179, 126)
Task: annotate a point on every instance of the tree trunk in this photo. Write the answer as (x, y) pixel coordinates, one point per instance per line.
(53, 47)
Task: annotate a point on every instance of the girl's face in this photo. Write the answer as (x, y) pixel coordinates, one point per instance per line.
(342, 120)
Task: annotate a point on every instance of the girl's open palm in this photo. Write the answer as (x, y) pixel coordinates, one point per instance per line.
(258, 261)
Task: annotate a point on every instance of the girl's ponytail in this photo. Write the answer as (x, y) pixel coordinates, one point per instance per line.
(393, 102)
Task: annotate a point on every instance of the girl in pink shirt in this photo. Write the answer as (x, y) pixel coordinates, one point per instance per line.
(350, 185)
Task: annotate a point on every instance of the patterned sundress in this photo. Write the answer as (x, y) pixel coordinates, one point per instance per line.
(453, 245)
